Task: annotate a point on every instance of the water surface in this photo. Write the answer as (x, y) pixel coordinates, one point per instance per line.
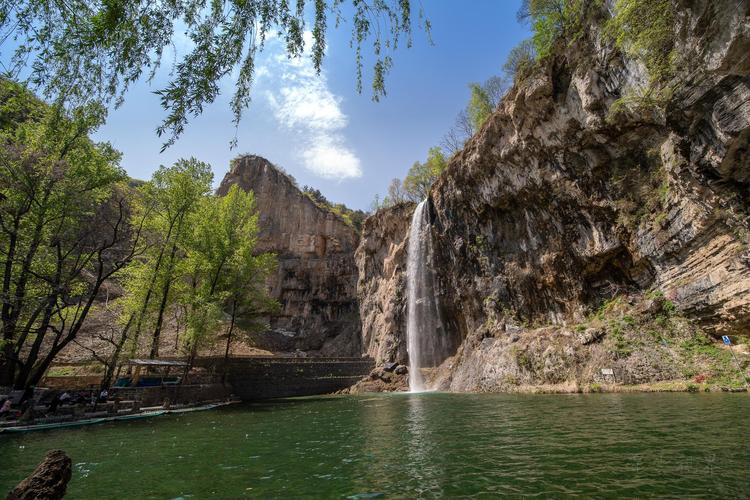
(412, 445)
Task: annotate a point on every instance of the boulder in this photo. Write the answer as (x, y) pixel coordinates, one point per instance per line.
(48, 481)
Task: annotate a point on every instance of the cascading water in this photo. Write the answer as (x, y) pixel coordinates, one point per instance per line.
(426, 341)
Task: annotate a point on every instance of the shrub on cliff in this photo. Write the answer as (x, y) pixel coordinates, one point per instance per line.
(645, 29)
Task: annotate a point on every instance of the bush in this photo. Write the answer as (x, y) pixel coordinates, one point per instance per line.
(645, 29)
(520, 60)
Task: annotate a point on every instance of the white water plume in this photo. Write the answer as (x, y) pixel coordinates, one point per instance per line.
(427, 343)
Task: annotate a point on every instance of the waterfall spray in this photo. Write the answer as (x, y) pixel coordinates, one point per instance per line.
(426, 340)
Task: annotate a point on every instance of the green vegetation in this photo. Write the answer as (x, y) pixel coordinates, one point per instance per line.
(83, 51)
(353, 218)
(643, 190)
(483, 100)
(200, 260)
(417, 182)
(63, 232)
(415, 186)
(520, 60)
(645, 29)
(551, 20)
(71, 223)
(657, 331)
(480, 107)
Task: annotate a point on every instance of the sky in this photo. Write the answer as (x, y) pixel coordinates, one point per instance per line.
(318, 128)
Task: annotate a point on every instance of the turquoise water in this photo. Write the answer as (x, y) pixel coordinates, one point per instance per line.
(407, 446)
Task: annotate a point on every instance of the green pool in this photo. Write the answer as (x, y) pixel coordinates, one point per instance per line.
(407, 446)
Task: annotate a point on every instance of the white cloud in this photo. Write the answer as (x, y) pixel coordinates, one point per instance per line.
(328, 157)
(302, 102)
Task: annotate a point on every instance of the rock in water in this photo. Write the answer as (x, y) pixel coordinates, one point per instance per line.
(48, 481)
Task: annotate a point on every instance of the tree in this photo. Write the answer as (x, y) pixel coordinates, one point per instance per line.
(167, 204)
(646, 30)
(520, 59)
(480, 108)
(552, 20)
(353, 218)
(483, 100)
(63, 228)
(548, 20)
(462, 129)
(79, 51)
(421, 176)
(222, 270)
(396, 193)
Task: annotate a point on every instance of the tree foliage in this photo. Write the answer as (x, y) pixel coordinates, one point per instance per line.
(167, 202)
(520, 59)
(418, 181)
(79, 51)
(353, 218)
(480, 108)
(483, 100)
(645, 29)
(554, 19)
(222, 271)
(71, 222)
(63, 228)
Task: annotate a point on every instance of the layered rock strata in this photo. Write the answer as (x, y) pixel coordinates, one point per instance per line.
(574, 192)
(316, 278)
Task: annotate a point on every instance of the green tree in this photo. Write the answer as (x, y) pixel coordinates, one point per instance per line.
(520, 59)
(480, 107)
(552, 20)
(167, 204)
(63, 228)
(421, 176)
(223, 271)
(645, 29)
(483, 100)
(83, 50)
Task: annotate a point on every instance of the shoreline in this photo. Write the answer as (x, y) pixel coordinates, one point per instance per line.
(595, 388)
(145, 413)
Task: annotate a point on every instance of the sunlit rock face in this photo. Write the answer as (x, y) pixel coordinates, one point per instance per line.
(381, 261)
(560, 203)
(316, 278)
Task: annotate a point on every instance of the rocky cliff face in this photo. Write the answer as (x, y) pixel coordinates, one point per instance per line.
(381, 260)
(566, 200)
(316, 278)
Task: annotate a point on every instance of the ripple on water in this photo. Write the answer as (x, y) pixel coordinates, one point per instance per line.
(404, 447)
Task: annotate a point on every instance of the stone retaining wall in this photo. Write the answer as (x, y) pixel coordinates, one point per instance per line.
(264, 378)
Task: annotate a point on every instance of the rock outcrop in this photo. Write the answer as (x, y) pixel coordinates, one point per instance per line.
(49, 480)
(573, 194)
(316, 278)
(381, 261)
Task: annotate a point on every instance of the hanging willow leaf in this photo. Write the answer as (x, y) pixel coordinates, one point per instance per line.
(81, 51)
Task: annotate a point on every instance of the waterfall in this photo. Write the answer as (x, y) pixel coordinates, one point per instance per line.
(426, 341)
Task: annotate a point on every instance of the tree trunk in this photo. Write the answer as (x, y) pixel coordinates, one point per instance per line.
(229, 341)
(112, 365)
(165, 295)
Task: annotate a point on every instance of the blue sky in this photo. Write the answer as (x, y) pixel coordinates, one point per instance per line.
(318, 128)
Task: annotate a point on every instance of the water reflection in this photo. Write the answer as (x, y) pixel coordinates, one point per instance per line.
(421, 445)
(410, 446)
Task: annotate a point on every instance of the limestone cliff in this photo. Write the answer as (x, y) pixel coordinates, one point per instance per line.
(566, 203)
(381, 260)
(316, 278)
